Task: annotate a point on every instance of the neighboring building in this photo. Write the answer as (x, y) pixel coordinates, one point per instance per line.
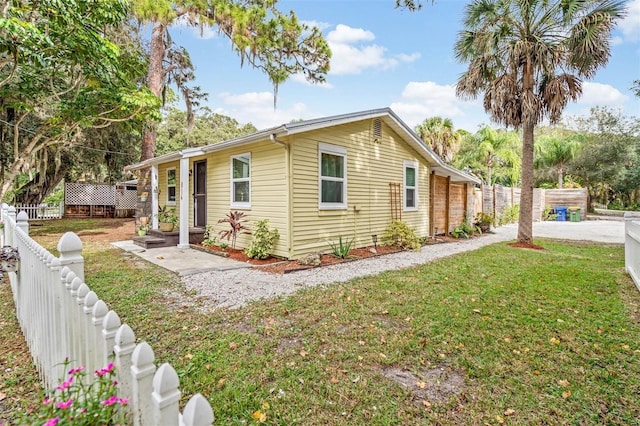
(316, 180)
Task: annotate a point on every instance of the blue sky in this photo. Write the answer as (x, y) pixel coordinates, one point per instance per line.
(386, 57)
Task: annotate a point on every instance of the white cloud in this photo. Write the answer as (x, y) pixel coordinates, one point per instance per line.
(320, 25)
(630, 25)
(601, 94)
(257, 108)
(299, 78)
(344, 34)
(423, 99)
(353, 52)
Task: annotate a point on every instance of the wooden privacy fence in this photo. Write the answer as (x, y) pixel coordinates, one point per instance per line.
(61, 317)
(632, 246)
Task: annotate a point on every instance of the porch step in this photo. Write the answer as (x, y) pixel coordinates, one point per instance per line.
(149, 241)
(156, 238)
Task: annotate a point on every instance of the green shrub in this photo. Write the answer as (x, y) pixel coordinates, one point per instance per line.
(509, 215)
(484, 221)
(341, 249)
(209, 237)
(547, 215)
(465, 230)
(263, 240)
(399, 234)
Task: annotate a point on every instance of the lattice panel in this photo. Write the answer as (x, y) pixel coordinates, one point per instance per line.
(126, 199)
(89, 194)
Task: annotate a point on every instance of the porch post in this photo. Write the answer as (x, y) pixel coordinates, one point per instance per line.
(154, 196)
(183, 241)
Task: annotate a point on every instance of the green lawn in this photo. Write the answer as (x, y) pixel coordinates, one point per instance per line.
(499, 335)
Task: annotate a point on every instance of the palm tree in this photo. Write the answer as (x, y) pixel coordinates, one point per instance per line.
(498, 148)
(556, 154)
(529, 57)
(439, 133)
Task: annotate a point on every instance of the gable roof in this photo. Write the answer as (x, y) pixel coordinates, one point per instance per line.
(385, 114)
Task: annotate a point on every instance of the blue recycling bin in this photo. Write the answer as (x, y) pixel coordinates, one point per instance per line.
(561, 214)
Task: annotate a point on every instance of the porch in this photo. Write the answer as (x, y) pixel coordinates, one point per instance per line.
(156, 238)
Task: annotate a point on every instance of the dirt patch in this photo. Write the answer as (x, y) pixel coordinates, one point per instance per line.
(529, 246)
(433, 385)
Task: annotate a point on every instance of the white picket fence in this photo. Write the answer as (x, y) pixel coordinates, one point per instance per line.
(632, 246)
(61, 317)
(41, 211)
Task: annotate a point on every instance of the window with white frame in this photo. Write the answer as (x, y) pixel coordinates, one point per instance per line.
(241, 181)
(410, 185)
(332, 179)
(171, 186)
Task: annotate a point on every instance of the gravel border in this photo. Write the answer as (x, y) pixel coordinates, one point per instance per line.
(235, 288)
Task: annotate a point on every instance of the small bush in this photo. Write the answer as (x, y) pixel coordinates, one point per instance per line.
(465, 230)
(547, 215)
(74, 402)
(236, 221)
(209, 237)
(484, 221)
(509, 215)
(399, 234)
(341, 249)
(263, 240)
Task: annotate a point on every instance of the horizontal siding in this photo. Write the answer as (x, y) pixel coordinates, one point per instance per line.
(269, 193)
(371, 166)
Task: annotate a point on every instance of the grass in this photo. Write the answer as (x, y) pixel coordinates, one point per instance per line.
(533, 337)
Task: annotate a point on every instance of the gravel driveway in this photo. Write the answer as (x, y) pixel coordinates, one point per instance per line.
(235, 288)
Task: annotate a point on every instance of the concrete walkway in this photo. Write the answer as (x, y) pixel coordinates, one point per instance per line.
(189, 261)
(181, 261)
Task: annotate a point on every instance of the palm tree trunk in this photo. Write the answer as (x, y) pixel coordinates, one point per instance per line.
(525, 223)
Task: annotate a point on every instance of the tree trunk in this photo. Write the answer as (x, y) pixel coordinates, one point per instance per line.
(525, 223)
(560, 177)
(155, 81)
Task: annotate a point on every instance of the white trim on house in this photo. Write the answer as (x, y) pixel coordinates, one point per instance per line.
(406, 164)
(168, 201)
(385, 114)
(242, 204)
(338, 151)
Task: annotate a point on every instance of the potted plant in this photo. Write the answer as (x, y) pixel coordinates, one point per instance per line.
(142, 230)
(167, 218)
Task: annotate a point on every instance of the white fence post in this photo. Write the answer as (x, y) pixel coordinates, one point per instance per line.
(125, 343)
(142, 370)
(110, 326)
(70, 248)
(197, 412)
(166, 395)
(632, 247)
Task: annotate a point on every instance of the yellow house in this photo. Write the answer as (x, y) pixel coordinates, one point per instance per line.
(316, 180)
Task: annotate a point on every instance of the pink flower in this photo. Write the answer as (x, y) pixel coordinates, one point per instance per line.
(47, 401)
(76, 370)
(63, 405)
(51, 422)
(102, 372)
(64, 385)
(123, 401)
(110, 401)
